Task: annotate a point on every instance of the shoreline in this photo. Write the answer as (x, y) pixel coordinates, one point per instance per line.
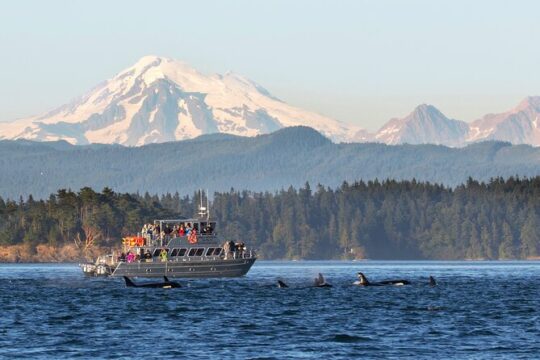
(42, 253)
(71, 254)
(533, 260)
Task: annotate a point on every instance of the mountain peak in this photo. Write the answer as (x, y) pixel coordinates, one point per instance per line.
(160, 99)
(520, 125)
(425, 124)
(148, 59)
(425, 109)
(530, 102)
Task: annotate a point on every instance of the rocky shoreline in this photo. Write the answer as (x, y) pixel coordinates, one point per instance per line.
(47, 254)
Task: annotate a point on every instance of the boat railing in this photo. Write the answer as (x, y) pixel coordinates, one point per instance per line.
(233, 255)
(158, 240)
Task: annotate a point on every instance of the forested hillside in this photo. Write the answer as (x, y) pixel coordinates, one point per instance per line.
(376, 220)
(271, 162)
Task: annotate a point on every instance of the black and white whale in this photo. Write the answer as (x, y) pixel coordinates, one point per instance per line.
(281, 284)
(363, 281)
(321, 282)
(166, 284)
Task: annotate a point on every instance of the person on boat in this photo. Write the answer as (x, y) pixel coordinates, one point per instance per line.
(130, 257)
(122, 257)
(147, 255)
(226, 249)
(239, 247)
(188, 229)
(163, 255)
(182, 230)
(192, 237)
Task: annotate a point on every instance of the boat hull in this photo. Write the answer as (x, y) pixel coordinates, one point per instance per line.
(186, 269)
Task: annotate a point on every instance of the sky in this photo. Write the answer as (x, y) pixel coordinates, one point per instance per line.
(361, 62)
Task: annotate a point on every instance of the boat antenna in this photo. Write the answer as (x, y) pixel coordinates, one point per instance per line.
(207, 205)
(202, 209)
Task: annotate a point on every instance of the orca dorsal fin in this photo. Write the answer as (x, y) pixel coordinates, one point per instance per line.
(321, 282)
(363, 279)
(166, 279)
(129, 283)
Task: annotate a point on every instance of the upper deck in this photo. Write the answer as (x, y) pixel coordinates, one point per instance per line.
(176, 232)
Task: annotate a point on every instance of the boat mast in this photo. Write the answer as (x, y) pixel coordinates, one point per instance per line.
(207, 206)
(203, 211)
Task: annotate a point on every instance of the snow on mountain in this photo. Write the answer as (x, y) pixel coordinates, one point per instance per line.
(520, 125)
(425, 125)
(160, 99)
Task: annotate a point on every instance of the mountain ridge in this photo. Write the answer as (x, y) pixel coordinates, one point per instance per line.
(159, 99)
(269, 162)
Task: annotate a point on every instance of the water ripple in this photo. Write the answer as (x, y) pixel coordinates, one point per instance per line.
(478, 310)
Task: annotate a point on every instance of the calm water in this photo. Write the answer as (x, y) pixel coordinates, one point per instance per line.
(478, 310)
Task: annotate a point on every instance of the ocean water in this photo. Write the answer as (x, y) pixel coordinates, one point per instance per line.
(479, 310)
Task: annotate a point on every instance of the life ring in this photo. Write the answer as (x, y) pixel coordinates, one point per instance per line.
(139, 241)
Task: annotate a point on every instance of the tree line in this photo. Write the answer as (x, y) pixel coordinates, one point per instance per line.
(499, 219)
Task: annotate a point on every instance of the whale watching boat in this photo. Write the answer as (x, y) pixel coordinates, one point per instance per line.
(176, 248)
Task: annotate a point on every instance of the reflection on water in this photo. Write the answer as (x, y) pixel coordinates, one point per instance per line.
(478, 310)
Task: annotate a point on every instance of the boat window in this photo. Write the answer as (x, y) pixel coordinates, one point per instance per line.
(199, 252)
(174, 252)
(158, 251)
(207, 228)
(182, 252)
(210, 251)
(203, 227)
(217, 251)
(192, 252)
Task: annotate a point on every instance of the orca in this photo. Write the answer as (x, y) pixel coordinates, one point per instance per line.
(320, 282)
(281, 284)
(167, 284)
(363, 281)
(432, 281)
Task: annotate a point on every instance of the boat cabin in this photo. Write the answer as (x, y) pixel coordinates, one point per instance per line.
(179, 240)
(178, 231)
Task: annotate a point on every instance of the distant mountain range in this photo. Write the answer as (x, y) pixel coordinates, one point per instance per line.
(159, 100)
(270, 162)
(427, 125)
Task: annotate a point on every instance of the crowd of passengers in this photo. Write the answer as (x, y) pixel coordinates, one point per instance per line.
(230, 249)
(151, 231)
(141, 255)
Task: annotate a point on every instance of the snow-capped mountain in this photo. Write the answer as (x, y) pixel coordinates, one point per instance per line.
(520, 125)
(160, 99)
(425, 125)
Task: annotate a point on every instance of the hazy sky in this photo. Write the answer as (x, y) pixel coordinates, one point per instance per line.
(361, 62)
